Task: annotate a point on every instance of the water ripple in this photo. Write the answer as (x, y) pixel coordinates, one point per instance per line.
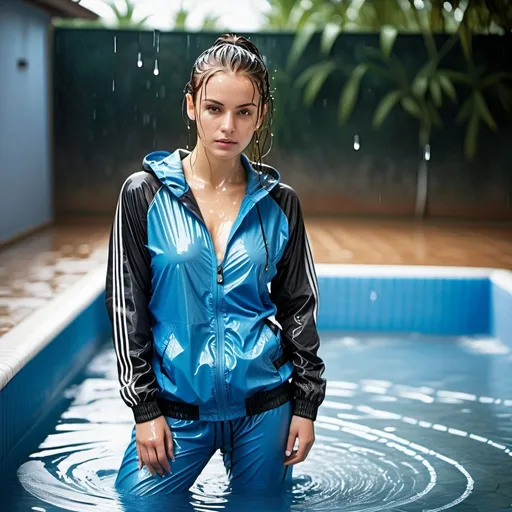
(368, 457)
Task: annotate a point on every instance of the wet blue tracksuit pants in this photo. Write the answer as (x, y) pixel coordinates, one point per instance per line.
(253, 450)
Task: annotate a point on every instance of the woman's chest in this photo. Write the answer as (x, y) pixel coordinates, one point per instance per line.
(199, 234)
(220, 210)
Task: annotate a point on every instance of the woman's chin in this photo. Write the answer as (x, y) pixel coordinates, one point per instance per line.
(225, 153)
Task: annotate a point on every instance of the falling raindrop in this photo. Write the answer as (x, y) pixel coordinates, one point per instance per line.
(157, 41)
(113, 85)
(357, 145)
(139, 60)
(115, 44)
(427, 152)
(156, 71)
(94, 114)
(325, 102)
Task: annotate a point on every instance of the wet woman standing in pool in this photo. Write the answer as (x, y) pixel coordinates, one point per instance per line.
(213, 296)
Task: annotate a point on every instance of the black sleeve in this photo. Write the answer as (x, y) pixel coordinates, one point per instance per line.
(294, 291)
(127, 295)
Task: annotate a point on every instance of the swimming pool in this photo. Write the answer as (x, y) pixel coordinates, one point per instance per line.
(417, 414)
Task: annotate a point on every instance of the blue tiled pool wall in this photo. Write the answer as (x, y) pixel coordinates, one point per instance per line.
(27, 396)
(501, 316)
(427, 305)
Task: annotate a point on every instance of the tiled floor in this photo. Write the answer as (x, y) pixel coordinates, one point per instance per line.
(35, 269)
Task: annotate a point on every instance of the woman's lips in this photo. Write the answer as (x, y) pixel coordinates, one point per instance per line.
(225, 144)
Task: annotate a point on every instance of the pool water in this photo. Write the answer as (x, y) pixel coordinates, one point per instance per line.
(409, 424)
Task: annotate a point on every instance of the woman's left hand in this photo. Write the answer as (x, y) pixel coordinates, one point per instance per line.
(304, 430)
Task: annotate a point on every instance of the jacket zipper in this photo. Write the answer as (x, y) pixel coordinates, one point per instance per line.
(220, 341)
(219, 327)
(220, 275)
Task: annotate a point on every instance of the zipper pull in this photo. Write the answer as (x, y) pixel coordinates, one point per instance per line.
(220, 275)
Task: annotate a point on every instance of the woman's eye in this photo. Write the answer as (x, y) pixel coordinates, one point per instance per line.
(245, 112)
(213, 109)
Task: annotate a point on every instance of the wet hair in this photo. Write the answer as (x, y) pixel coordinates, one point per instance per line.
(236, 54)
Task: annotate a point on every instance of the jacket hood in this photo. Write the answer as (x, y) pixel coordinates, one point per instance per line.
(168, 169)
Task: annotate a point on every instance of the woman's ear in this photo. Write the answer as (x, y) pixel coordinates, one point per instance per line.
(190, 107)
(262, 117)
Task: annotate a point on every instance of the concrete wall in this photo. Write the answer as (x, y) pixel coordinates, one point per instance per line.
(25, 130)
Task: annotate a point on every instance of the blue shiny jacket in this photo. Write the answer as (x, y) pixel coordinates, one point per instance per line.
(199, 340)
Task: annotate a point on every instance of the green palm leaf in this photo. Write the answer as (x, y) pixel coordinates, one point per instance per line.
(350, 92)
(385, 106)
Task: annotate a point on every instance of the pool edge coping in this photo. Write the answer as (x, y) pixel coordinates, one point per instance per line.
(43, 325)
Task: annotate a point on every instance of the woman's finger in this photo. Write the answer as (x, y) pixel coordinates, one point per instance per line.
(153, 457)
(302, 452)
(169, 444)
(146, 460)
(291, 442)
(162, 458)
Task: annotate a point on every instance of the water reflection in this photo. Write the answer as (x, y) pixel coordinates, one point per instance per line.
(402, 428)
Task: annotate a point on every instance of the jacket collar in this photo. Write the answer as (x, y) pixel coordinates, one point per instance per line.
(168, 169)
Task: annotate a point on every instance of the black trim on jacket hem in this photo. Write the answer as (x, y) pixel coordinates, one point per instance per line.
(258, 403)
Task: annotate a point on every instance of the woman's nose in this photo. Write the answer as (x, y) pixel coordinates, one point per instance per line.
(227, 124)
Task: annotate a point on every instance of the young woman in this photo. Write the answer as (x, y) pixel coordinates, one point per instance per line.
(212, 294)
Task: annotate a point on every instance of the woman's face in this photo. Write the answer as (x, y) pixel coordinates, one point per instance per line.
(226, 114)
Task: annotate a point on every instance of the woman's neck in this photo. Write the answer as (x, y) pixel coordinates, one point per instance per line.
(204, 170)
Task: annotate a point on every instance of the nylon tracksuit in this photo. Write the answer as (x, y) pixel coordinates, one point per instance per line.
(227, 353)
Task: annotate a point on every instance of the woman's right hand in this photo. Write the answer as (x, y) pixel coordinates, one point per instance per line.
(154, 445)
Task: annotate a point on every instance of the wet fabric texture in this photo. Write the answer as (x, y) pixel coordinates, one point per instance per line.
(190, 331)
(253, 451)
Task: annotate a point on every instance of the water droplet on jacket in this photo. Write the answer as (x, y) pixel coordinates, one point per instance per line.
(139, 60)
(156, 71)
(357, 144)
